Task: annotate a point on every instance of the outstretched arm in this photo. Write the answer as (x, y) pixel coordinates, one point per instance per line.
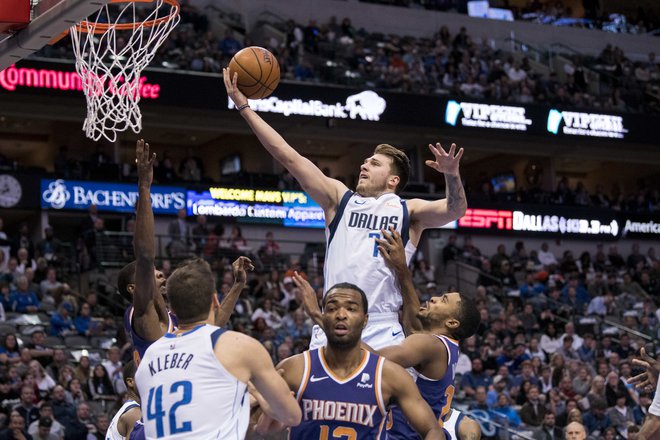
(426, 214)
(240, 267)
(418, 350)
(148, 303)
(393, 252)
(407, 397)
(325, 191)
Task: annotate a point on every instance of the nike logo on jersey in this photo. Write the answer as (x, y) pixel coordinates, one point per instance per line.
(360, 202)
(396, 333)
(316, 379)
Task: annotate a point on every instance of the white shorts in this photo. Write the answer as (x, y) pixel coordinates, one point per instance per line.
(451, 424)
(383, 329)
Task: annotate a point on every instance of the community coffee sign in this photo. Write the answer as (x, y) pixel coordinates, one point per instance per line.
(15, 78)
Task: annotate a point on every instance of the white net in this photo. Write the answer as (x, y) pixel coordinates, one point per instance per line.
(112, 48)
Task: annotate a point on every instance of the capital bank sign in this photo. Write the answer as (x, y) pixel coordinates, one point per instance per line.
(116, 197)
(507, 221)
(366, 105)
(586, 124)
(504, 117)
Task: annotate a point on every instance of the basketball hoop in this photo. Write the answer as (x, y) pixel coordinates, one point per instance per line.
(112, 48)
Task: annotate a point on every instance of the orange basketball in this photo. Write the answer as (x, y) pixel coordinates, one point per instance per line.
(258, 71)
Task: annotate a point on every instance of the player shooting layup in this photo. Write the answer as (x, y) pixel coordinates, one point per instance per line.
(354, 219)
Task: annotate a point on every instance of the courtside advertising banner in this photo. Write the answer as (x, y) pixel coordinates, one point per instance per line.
(283, 208)
(162, 87)
(542, 221)
(61, 194)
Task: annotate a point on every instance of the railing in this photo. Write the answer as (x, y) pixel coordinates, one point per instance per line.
(539, 55)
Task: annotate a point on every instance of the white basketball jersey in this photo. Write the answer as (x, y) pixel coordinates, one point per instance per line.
(186, 391)
(352, 255)
(112, 433)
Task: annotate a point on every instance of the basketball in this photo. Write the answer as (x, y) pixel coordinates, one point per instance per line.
(258, 71)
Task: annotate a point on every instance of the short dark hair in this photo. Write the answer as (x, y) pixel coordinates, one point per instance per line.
(400, 164)
(349, 286)
(129, 371)
(190, 290)
(469, 318)
(125, 277)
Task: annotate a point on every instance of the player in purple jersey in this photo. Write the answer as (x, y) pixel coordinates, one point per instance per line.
(431, 345)
(344, 390)
(148, 318)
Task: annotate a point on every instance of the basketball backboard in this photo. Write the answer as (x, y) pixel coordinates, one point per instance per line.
(49, 18)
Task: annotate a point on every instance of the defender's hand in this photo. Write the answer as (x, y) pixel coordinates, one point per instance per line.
(240, 268)
(145, 162)
(392, 249)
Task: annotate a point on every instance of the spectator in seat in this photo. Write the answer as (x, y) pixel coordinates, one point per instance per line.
(549, 431)
(44, 382)
(180, 235)
(79, 425)
(100, 386)
(38, 349)
(63, 411)
(621, 415)
(546, 257)
(475, 378)
(200, 233)
(23, 241)
(55, 428)
(533, 411)
(596, 420)
(582, 382)
(15, 428)
(451, 251)
(503, 411)
(22, 299)
(229, 45)
(26, 407)
(550, 341)
(587, 352)
(83, 321)
(615, 258)
(50, 284)
(61, 323)
(9, 351)
(49, 248)
(575, 431)
(497, 259)
(43, 428)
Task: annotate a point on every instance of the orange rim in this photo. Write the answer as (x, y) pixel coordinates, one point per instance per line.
(100, 28)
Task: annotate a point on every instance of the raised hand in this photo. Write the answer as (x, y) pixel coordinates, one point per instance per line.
(647, 380)
(444, 162)
(232, 88)
(240, 268)
(308, 297)
(392, 249)
(145, 162)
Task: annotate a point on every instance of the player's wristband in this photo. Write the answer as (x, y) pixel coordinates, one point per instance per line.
(243, 107)
(655, 405)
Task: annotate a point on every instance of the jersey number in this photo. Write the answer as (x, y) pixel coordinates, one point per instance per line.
(376, 237)
(155, 400)
(339, 432)
(449, 395)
